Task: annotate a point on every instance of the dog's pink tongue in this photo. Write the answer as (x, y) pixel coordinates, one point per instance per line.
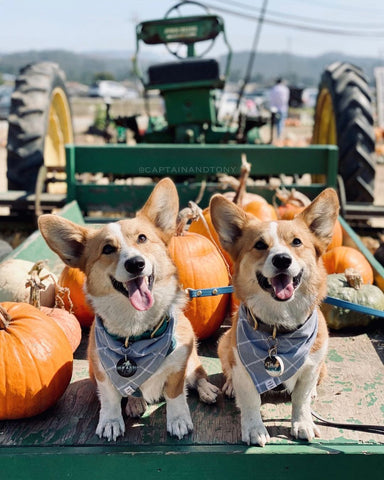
(283, 287)
(139, 294)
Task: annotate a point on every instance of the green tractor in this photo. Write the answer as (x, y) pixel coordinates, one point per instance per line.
(190, 87)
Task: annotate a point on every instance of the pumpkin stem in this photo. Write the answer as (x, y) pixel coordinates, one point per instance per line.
(62, 294)
(192, 212)
(354, 278)
(5, 318)
(292, 197)
(35, 282)
(245, 170)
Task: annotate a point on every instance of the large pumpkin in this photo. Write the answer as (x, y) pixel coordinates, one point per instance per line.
(339, 259)
(35, 361)
(74, 280)
(204, 226)
(200, 266)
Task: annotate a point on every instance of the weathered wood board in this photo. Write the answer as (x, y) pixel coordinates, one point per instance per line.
(352, 393)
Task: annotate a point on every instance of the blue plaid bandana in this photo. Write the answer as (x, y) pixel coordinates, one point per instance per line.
(292, 347)
(141, 357)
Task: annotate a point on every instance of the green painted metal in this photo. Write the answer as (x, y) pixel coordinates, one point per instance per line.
(273, 462)
(188, 166)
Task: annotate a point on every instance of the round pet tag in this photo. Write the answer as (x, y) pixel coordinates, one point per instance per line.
(126, 367)
(274, 365)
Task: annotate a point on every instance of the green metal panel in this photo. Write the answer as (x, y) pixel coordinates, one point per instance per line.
(193, 105)
(202, 160)
(205, 462)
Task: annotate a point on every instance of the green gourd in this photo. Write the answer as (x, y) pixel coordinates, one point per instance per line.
(348, 286)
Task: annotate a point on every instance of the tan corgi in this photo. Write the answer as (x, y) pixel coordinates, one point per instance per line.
(141, 346)
(279, 335)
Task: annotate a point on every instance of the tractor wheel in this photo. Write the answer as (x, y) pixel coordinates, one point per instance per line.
(39, 124)
(343, 117)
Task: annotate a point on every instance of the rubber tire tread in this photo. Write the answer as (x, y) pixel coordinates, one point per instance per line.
(28, 122)
(352, 105)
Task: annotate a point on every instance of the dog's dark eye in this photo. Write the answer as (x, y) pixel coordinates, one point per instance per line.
(260, 245)
(108, 249)
(296, 242)
(141, 238)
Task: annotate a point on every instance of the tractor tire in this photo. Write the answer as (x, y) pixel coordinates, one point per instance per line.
(39, 124)
(343, 117)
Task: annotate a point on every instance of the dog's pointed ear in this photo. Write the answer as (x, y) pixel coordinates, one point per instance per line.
(65, 238)
(229, 221)
(321, 215)
(162, 207)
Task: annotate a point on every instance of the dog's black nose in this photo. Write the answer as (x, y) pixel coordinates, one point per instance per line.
(282, 261)
(135, 264)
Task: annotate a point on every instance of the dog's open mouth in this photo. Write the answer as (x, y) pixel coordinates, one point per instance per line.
(138, 290)
(282, 286)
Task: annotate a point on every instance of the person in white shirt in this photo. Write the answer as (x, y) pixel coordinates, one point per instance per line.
(279, 98)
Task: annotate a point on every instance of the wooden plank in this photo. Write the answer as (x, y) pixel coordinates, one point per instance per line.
(351, 394)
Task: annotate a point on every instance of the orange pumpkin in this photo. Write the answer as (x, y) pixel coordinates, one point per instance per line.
(337, 238)
(205, 227)
(35, 361)
(340, 258)
(74, 279)
(288, 211)
(261, 210)
(67, 322)
(199, 266)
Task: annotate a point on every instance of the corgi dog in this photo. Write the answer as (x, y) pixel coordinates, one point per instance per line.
(141, 346)
(279, 335)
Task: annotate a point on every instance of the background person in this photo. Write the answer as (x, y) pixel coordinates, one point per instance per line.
(279, 98)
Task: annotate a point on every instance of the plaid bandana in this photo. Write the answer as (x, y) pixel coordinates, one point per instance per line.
(147, 354)
(292, 347)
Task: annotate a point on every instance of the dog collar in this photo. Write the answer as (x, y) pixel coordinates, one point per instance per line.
(129, 364)
(290, 348)
(258, 324)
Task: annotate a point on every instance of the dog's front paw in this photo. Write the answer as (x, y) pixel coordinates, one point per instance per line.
(304, 430)
(228, 389)
(179, 426)
(255, 433)
(207, 391)
(135, 407)
(110, 428)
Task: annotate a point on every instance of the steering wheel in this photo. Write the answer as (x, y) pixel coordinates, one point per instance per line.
(175, 50)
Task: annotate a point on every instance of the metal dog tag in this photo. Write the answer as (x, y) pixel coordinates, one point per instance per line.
(126, 367)
(274, 365)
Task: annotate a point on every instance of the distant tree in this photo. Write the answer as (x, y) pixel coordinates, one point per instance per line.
(97, 77)
(1, 79)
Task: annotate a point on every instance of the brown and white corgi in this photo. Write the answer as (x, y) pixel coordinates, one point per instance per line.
(279, 335)
(141, 345)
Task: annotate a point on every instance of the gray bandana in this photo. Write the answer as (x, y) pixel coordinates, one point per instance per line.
(292, 348)
(147, 354)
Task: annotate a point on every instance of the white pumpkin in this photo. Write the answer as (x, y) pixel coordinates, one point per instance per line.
(14, 274)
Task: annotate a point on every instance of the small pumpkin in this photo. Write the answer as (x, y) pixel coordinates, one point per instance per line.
(66, 320)
(291, 201)
(35, 361)
(348, 286)
(337, 237)
(200, 265)
(261, 210)
(340, 258)
(74, 280)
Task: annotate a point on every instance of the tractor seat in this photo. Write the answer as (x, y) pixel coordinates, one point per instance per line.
(185, 71)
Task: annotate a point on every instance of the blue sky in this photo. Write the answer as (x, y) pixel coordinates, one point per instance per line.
(89, 25)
